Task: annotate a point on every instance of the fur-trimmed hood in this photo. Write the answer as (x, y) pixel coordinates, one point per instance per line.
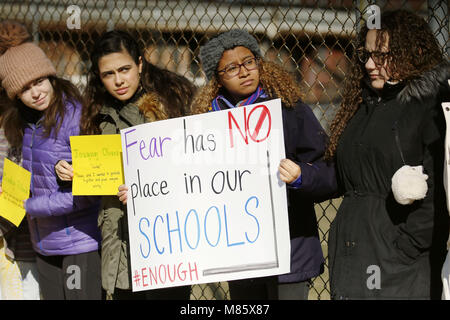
(151, 107)
(429, 84)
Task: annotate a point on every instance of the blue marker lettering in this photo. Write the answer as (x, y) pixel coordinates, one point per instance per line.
(154, 234)
(169, 231)
(256, 220)
(226, 229)
(220, 226)
(198, 229)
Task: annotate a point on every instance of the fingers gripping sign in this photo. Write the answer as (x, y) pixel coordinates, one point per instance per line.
(64, 170)
(289, 171)
(123, 194)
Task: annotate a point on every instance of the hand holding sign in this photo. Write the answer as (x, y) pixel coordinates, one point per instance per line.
(123, 194)
(289, 171)
(64, 170)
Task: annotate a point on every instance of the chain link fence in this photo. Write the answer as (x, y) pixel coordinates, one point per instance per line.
(310, 38)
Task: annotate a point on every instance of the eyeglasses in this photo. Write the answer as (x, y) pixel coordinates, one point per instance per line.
(233, 70)
(378, 57)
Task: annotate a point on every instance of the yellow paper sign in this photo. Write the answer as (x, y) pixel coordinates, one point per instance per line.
(97, 164)
(16, 188)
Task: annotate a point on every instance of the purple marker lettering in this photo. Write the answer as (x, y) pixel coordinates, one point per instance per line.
(126, 142)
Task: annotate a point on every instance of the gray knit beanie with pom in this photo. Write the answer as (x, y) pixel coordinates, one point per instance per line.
(212, 51)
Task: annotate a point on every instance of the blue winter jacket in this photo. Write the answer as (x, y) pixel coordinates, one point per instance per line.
(60, 224)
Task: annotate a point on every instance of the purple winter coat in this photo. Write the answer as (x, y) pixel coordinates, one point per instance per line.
(60, 224)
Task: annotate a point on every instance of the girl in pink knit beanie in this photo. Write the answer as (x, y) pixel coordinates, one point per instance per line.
(42, 112)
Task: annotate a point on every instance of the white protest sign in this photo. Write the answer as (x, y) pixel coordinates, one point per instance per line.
(205, 202)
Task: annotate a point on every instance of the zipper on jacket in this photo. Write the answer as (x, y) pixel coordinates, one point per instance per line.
(34, 127)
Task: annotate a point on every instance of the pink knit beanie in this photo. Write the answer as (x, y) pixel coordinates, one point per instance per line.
(21, 61)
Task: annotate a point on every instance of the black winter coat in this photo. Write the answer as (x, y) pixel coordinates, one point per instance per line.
(378, 248)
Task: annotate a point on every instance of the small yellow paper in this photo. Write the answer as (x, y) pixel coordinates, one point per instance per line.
(16, 188)
(97, 164)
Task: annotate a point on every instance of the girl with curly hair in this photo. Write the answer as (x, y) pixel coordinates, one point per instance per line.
(388, 238)
(238, 76)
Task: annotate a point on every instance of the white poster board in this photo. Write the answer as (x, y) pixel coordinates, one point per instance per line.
(205, 202)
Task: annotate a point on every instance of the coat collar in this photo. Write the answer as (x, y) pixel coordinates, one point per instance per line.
(429, 84)
(145, 107)
(119, 111)
(31, 116)
(389, 91)
(223, 102)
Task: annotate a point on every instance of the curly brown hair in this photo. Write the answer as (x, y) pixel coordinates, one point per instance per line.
(412, 50)
(274, 79)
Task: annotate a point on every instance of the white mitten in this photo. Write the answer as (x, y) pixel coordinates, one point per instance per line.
(409, 184)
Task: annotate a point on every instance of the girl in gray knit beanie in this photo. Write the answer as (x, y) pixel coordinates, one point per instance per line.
(238, 76)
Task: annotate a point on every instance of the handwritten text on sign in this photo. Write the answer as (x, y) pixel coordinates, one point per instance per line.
(97, 164)
(205, 203)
